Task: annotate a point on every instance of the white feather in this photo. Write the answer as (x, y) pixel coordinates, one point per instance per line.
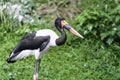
(23, 54)
(48, 32)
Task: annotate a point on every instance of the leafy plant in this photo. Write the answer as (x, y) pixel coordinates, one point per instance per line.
(101, 24)
(22, 11)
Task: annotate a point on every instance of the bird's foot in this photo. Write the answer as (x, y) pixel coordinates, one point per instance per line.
(35, 76)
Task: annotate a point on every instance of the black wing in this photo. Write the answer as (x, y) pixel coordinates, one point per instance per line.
(31, 42)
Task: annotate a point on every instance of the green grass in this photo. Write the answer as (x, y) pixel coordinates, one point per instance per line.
(84, 60)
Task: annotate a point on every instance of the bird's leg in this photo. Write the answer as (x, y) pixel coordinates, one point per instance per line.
(37, 67)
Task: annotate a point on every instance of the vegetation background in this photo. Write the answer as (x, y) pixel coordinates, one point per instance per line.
(97, 57)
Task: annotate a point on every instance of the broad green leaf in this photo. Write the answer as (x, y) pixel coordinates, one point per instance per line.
(110, 40)
(103, 35)
(90, 27)
(118, 33)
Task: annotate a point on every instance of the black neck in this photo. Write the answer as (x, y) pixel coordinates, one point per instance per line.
(61, 40)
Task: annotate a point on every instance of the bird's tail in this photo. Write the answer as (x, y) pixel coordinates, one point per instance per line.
(10, 61)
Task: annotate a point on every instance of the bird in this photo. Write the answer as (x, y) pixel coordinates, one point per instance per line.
(38, 42)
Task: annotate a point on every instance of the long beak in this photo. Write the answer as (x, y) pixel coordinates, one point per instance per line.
(72, 30)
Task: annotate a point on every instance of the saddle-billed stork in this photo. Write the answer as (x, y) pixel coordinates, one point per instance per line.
(36, 43)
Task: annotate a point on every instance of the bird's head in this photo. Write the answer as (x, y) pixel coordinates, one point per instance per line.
(60, 24)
